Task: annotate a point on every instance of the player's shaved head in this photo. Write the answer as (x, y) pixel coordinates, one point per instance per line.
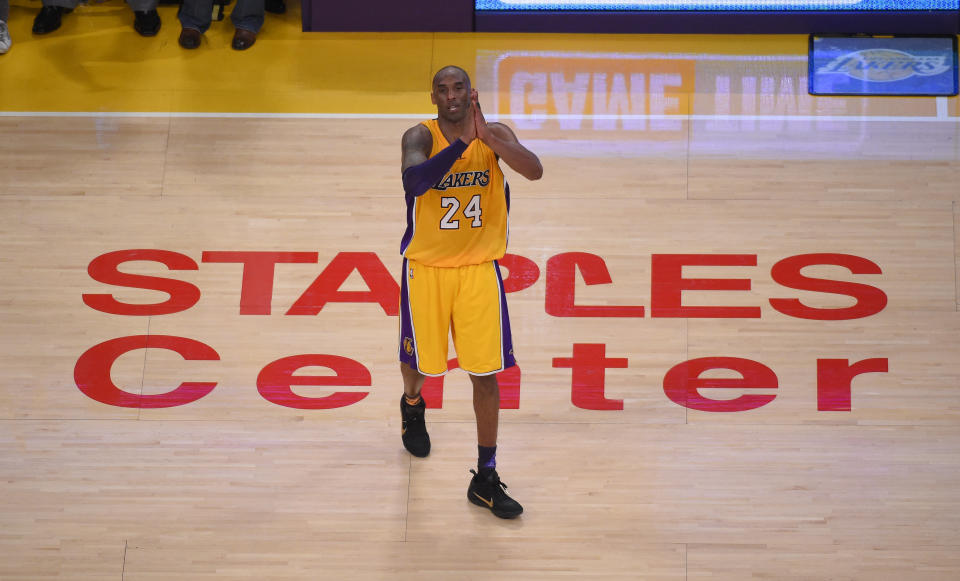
(451, 93)
(451, 70)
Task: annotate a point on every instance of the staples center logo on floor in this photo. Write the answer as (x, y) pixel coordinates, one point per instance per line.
(588, 362)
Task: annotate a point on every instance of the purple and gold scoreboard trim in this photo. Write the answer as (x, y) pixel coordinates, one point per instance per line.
(720, 16)
(651, 16)
(717, 5)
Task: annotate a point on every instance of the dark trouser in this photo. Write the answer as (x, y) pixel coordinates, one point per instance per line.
(197, 14)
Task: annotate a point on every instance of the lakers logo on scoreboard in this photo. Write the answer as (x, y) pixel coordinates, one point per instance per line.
(882, 65)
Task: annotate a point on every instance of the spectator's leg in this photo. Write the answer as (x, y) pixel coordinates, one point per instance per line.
(248, 15)
(196, 14)
(4, 31)
(146, 19)
(48, 19)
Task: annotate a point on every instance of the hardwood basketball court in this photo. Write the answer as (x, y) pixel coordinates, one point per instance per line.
(267, 182)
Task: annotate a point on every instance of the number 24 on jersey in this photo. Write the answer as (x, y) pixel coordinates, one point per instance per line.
(452, 205)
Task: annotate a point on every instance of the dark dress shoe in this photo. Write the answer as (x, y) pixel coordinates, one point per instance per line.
(243, 39)
(47, 20)
(147, 23)
(190, 38)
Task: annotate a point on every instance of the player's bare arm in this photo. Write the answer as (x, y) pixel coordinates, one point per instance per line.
(415, 146)
(505, 144)
(513, 153)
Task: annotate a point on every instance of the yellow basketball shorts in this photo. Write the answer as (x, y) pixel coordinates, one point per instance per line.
(467, 301)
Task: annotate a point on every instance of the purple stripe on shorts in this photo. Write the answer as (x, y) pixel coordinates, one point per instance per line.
(508, 359)
(408, 345)
(408, 234)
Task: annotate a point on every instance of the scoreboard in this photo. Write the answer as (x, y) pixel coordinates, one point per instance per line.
(720, 16)
(723, 5)
(638, 16)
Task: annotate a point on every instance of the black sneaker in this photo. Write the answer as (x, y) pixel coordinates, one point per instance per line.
(487, 490)
(146, 22)
(414, 430)
(48, 19)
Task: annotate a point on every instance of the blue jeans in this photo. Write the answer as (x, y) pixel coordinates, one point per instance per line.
(197, 14)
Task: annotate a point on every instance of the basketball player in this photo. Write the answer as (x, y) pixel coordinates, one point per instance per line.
(457, 204)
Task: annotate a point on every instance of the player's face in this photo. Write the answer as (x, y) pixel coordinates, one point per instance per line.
(451, 95)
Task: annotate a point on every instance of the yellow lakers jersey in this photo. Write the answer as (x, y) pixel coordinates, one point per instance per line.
(463, 218)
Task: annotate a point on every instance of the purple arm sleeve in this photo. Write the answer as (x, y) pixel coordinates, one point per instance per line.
(419, 178)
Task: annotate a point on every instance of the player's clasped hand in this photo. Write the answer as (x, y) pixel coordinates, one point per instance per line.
(483, 132)
(470, 126)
